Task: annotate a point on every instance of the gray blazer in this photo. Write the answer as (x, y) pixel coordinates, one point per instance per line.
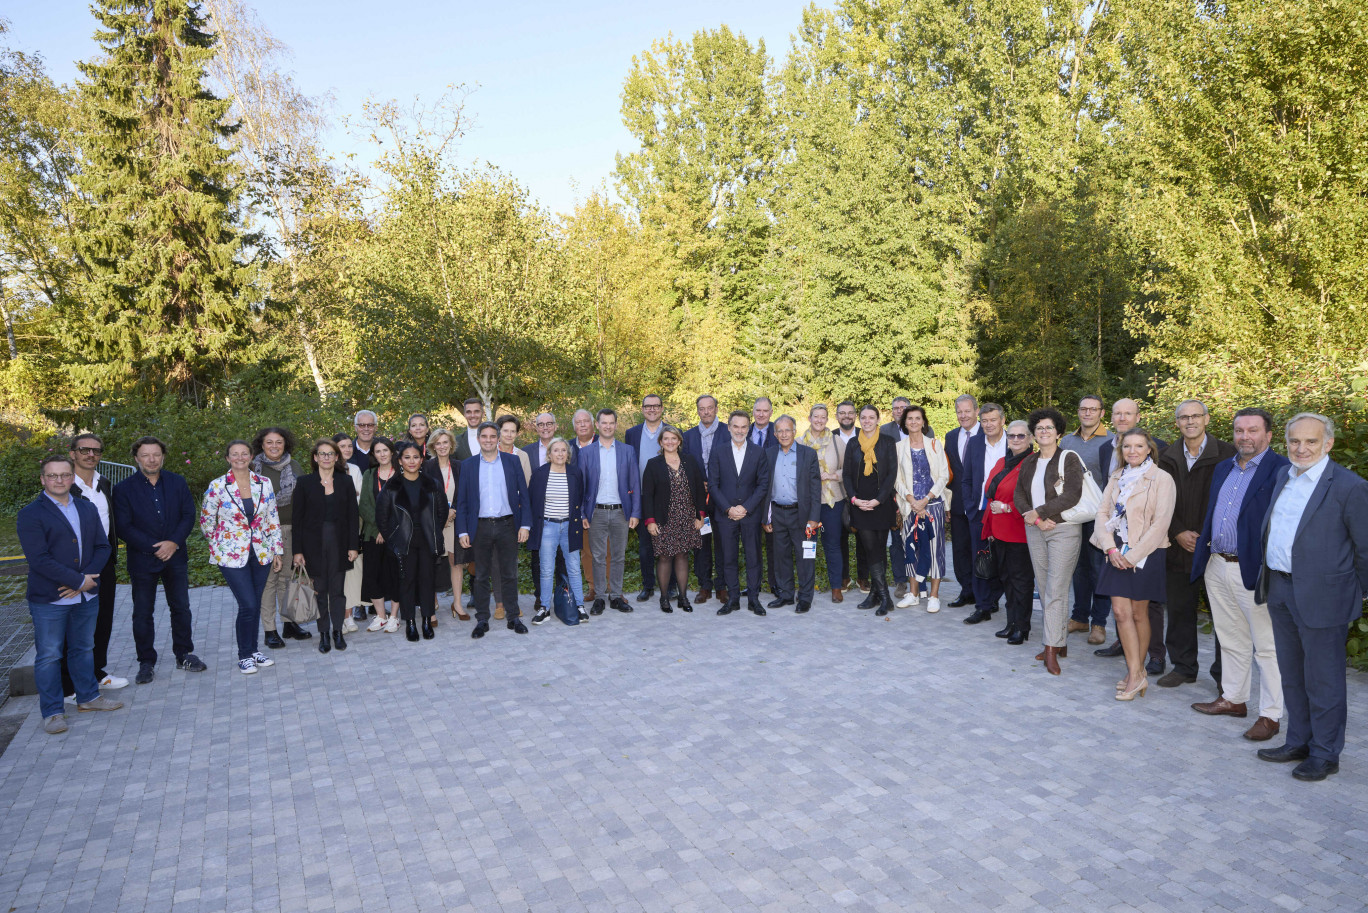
(1329, 552)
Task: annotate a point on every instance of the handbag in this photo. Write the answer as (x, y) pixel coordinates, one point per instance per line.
(301, 603)
(1089, 499)
(983, 563)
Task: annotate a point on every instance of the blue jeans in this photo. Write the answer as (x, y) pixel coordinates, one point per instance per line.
(1087, 606)
(557, 536)
(69, 628)
(247, 583)
(833, 544)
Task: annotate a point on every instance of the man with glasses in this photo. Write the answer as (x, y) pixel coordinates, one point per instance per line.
(644, 438)
(86, 451)
(66, 549)
(845, 430)
(1089, 610)
(365, 424)
(546, 430)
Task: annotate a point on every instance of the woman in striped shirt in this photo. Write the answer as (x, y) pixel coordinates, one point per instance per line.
(556, 495)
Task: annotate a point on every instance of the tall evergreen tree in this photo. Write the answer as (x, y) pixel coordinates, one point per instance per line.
(167, 293)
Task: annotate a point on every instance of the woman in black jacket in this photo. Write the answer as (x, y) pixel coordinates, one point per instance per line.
(326, 520)
(674, 499)
(410, 514)
(871, 472)
(445, 470)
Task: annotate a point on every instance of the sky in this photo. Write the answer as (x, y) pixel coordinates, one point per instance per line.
(548, 75)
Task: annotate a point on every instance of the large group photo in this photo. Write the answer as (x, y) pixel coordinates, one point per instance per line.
(863, 457)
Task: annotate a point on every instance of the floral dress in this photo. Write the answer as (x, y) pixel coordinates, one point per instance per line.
(677, 535)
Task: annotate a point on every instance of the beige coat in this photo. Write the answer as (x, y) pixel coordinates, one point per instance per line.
(830, 458)
(1148, 511)
(940, 471)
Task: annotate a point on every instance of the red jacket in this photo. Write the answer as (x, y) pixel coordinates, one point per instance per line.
(1008, 527)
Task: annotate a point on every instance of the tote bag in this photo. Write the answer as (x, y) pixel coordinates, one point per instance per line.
(301, 605)
(1089, 499)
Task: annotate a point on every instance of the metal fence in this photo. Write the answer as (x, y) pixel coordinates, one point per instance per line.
(115, 472)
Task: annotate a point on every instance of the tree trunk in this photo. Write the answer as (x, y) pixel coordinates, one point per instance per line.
(9, 324)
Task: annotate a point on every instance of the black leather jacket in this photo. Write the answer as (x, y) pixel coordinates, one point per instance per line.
(398, 518)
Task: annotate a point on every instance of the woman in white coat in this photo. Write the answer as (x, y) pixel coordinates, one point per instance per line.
(923, 473)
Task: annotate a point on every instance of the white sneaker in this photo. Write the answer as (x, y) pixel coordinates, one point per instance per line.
(933, 604)
(392, 626)
(910, 599)
(261, 659)
(349, 626)
(376, 624)
(247, 666)
(113, 682)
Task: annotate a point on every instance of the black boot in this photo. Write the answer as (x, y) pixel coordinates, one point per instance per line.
(295, 632)
(411, 629)
(872, 599)
(1018, 637)
(338, 642)
(665, 602)
(324, 644)
(428, 633)
(885, 598)
(1006, 631)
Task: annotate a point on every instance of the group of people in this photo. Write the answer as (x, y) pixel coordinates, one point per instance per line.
(1137, 528)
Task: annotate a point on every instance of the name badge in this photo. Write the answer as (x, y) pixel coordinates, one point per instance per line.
(707, 527)
(809, 549)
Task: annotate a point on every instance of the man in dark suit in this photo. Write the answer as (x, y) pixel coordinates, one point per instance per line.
(85, 452)
(583, 423)
(981, 455)
(66, 549)
(154, 512)
(1227, 557)
(794, 512)
(644, 439)
(956, 449)
(1315, 571)
(761, 434)
(365, 424)
(546, 426)
(894, 428)
(699, 442)
(492, 516)
(1191, 460)
(468, 444)
(611, 509)
(738, 478)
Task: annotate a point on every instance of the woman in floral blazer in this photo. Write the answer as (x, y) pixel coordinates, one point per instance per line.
(240, 521)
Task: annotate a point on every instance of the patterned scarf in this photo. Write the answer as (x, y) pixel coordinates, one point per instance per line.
(867, 442)
(284, 466)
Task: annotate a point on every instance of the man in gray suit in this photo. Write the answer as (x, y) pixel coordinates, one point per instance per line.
(1314, 574)
(793, 512)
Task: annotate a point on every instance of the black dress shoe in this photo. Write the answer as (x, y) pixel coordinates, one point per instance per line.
(598, 607)
(146, 672)
(622, 605)
(1114, 650)
(1005, 632)
(480, 630)
(1314, 769)
(802, 607)
(516, 626)
(757, 608)
(779, 603)
(428, 633)
(962, 601)
(1154, 667)
(977, 616)
(645, 594)
(295, 632)
(273, 640)
(338, 642)
(1017, 638)
(411, 629)
(1284, 754)
(324, 645)
(727, 608)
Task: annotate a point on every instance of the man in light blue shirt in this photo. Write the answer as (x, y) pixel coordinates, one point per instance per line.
(1287, 512)
(793, 515)
(493, 515)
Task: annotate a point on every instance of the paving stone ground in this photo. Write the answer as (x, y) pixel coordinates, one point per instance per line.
(650, 762)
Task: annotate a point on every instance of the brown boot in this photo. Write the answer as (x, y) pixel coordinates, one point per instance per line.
(1061, 652)
(498, 610)
(1051, 660)
(1077, 626)
(703, 596)
(836, 594)
(1098, 635)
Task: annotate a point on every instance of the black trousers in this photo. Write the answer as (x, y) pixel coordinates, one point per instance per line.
(962, 551)
(872, 542)
(175, 584)
(733, 535)
(1181, 636)
(770, 576)
(328, 582)
(418, 581)
(790, 532)
(1015, 573)
(708, 560)
(496, 537)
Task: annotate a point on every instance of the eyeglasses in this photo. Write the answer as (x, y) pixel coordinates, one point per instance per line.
(1017, 437)
(325, 455)
(546, 424)
(95, 450)
(365, 424)
(59, 477)
(1191, 418)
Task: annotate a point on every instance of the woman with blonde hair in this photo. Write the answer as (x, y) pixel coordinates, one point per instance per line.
(445, 470)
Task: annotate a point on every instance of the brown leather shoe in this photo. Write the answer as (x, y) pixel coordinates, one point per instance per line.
(702, 597)
(863, 584)
(1098, 635)
(499, 611)
(1062, 653)
(722, 595)
(836, 594)
(1262, 730)
(845, 584)
(1076, 626)
(1222, 707)
(1051, 660)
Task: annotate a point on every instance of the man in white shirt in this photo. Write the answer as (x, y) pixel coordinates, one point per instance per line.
(956, 446)
(845, 430)
(468, 444)
(981, 455)
(699, 442)
(86, 451)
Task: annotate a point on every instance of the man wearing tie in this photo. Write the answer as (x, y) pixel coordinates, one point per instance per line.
(981, 455)
(698, 443)
(956, 447)
(645, 440)
(738, 478)
(762, 436)
(493, 514)
(794, 513)
(1315, 571)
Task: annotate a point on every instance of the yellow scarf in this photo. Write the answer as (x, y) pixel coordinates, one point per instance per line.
(867, 442)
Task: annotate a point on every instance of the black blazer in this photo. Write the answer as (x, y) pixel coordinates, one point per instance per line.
(398, 518)
(308, 519)
(434, 472)
(536, 493)
(655, 488)
(885, 470)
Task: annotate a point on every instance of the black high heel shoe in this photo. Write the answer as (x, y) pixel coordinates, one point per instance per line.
(338, 642)
(411, 629)
(428, 633)
(665, 603)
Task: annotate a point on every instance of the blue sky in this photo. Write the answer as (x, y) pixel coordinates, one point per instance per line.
(549, 74)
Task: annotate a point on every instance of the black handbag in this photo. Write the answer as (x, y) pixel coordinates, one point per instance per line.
(983, 563)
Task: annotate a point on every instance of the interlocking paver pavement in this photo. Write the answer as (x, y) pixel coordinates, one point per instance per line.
(650, 762)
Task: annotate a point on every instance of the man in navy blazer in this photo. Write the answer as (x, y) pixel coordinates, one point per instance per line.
(64, 543)
(611, 509)
(762, 435)
(1315, 571)
(699, 442)
(981, 453)
(644, 438)
(1227, 558)
(493, 515)
(738, 480)
(793, 512)
(154, 512)
(545, 425)
(961, 539)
